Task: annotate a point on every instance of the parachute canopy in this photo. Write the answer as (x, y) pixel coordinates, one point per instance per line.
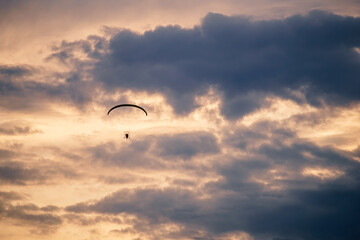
(127, 105)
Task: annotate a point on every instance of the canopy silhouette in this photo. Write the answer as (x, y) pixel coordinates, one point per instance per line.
(127, 105)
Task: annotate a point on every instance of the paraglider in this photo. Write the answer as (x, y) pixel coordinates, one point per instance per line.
(127, 105)
(127, 134)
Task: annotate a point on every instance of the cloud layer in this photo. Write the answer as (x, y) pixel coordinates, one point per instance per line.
(198, 172)
(247, 60)
(266, 193)
(311, 58)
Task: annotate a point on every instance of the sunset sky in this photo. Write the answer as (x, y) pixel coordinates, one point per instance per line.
(252, 133)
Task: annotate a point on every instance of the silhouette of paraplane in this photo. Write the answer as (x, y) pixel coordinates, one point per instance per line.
(127, 134)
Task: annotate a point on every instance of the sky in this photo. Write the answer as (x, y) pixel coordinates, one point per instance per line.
(252, 132)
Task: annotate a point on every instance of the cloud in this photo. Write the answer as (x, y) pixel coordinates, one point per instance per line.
(155, 152)
(264, 192)
(262, 179)
(9, 71)
(12, 128)
(271, 197)
(39, 219)
(6, 154)
(50, 208)
(152, 207)
(85, 221)
(316, 217)
(17, 174)
(73, 54)
(9, 196)
(20, 212)
(247, 60)
(186, 145)
(21, 93)
(132, 155)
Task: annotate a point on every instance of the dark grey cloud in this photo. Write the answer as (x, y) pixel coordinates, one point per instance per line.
(86, 221)
(93, 47)
(30, 89)
(154, 205)
(247, 60)
(6, 154)
(306, 206)
(9, 196)
(16, 130)
(24, 173)
(290, 206)
(10, 71)
(132, 155)
(155, 152)
(20, 92)
(357, 151)
(18, 174)
(50, 208)
(123, 179)
(28, 96)
(183, 182)
(11, 128)
(319, 214)
(187, 145)
(40, 220)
